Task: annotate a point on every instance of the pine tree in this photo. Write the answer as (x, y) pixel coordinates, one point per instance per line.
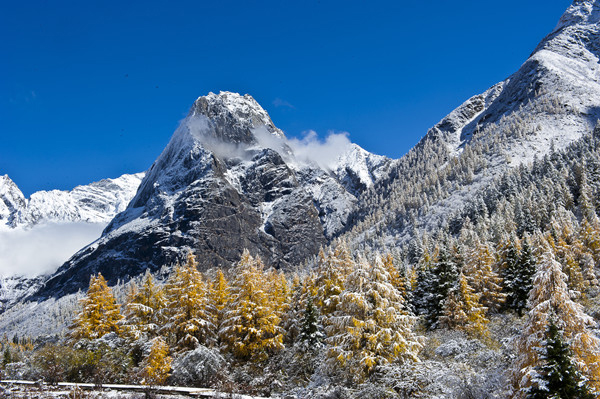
(370, 326)
(189, 322)
(520, 281)
(550, 299)
(251, 328)
(157, 366)
(311, 335)
(424, 285)
(100, 314)
(144, 308)
(442, 279)
(557, 376)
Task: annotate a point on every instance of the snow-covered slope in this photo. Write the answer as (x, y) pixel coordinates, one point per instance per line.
(97, 202)
(550, 102)
(227, 180)
(554, 97)
(39, 233)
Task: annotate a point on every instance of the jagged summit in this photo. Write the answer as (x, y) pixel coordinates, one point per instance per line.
(233, 116)
(97, 202)
(11, 199)
(580, 12)
(227, 180)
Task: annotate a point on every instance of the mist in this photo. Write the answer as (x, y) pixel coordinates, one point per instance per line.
(308, 150)
(43, 248)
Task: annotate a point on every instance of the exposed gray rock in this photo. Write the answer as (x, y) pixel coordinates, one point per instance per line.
(227, 181)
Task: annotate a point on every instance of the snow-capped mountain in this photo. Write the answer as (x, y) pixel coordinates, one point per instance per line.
(227, 180)
(97, 202)
(549, 103)
(554, 97)
(39, 233)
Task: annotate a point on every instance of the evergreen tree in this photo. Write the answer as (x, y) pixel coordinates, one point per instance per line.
(557, 376)
(520, 281)
(550, 299)
(100, 314)
(442, 279)
(311, 335)
(6, 356)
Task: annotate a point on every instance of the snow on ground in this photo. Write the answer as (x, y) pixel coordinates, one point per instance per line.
(17, 388)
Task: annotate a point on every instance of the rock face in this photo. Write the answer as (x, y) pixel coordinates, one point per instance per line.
(227, 180)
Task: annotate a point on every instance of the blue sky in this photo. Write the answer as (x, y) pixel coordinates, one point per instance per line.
(94, 89)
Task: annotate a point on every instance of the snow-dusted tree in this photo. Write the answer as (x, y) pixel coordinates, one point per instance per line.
(100, 314)
(333, 267)
(157, 366)
(423, 288)
(519, 280)
(550, 299)
(218, 298)
(251, 327)
(370, 326)
(479, 270)
(143, 308)
(311, 335)
(589, 232)
(396, 279)
(437, 283)
(189, 322)
(557, 376)
(463, 311)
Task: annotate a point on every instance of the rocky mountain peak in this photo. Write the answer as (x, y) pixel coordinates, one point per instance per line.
(585, 12)
(233, 116)
(11, 198)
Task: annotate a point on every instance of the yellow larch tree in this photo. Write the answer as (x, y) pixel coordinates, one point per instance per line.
(370, 326)
(463, 311)
(332, 269)
(100, 312)
(251, 328)
(144, 308)
(156, 367)
(189, 322)
(485, 281)
(218, 297)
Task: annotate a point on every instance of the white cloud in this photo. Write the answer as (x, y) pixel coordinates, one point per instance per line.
(43, 248)
(324, 153)
(310, 149)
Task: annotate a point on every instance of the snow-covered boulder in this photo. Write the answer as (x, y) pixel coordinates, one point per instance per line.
(199, 367)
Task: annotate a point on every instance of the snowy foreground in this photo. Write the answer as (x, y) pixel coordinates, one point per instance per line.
(33, 389)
